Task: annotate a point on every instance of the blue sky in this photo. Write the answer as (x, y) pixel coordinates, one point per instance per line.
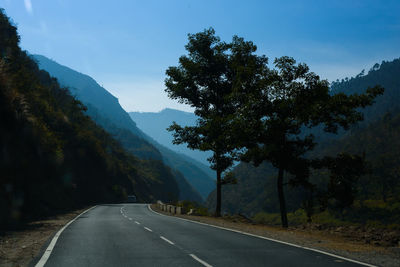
(126, 46)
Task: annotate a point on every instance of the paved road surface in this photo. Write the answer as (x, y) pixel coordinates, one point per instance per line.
(132, 235)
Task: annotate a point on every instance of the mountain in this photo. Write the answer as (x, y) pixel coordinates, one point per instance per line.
(87, 90)
(386, 74)
(138, 147)
(107, 112)
(198, 175)
(53, 156)
(155, 124)
(378, 137)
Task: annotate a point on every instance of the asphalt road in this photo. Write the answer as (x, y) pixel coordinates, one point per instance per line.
(132, 235)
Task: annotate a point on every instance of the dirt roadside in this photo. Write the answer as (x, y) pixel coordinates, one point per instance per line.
(322, 240)
(19, 248)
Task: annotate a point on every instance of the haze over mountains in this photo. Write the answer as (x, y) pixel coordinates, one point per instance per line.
(107, 112)
(155, 124)
(54, 157)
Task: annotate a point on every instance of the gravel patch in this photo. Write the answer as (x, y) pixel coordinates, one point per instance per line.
(19, 248)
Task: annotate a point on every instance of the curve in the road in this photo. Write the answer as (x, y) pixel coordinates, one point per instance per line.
(135, 235)
(271, 239)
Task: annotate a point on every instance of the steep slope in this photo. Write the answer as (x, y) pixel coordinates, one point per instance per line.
(136, 146)
(377, 137)
(53, 156)
(87, 90)
(386, 74)
(155, 124)
(196, 173)
(107, 112)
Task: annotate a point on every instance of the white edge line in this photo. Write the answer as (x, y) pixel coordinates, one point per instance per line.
(270, 239)
(199, 260)
(53, 242)
(148, 229)
(166, 240)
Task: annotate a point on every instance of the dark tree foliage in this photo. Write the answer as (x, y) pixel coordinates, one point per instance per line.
(271, 119)
(244, 106)
(380, 141)
(345, 170)
(53, 157)
(204, 80)
(377, 192)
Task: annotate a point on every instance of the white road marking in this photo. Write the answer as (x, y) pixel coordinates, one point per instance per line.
(148, 229)
(53, 242)
(130, 219)
(137, 222)
(199, 260)
(266, 238)
(166, 240)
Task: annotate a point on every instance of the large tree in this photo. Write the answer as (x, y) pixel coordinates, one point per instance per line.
(205, 79)
(272, 119)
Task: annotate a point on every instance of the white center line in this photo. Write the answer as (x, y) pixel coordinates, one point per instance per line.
(199, 260)
(148, 229)
(130, 219)
(166, 240)
(137, 222)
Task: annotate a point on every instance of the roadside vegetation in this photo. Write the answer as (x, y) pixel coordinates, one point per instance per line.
(368, 213)
(375, 193)
(252, 112)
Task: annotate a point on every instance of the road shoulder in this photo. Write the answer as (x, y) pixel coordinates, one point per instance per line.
(22, 247)
(326, 242)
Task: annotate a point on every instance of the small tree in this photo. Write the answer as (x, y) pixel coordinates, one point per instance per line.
(274, 116)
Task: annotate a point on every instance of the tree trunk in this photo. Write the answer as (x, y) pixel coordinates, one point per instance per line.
(218, 207)
(281, 196)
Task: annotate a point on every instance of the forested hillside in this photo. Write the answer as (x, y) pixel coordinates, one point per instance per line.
(386, 74)
(102, 106)
(53, 156)
(377, 137)
(105, 110)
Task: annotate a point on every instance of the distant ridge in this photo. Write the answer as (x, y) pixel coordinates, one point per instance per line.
(154, 124)
(105, 109)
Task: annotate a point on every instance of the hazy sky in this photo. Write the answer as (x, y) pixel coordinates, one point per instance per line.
(126, 46)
